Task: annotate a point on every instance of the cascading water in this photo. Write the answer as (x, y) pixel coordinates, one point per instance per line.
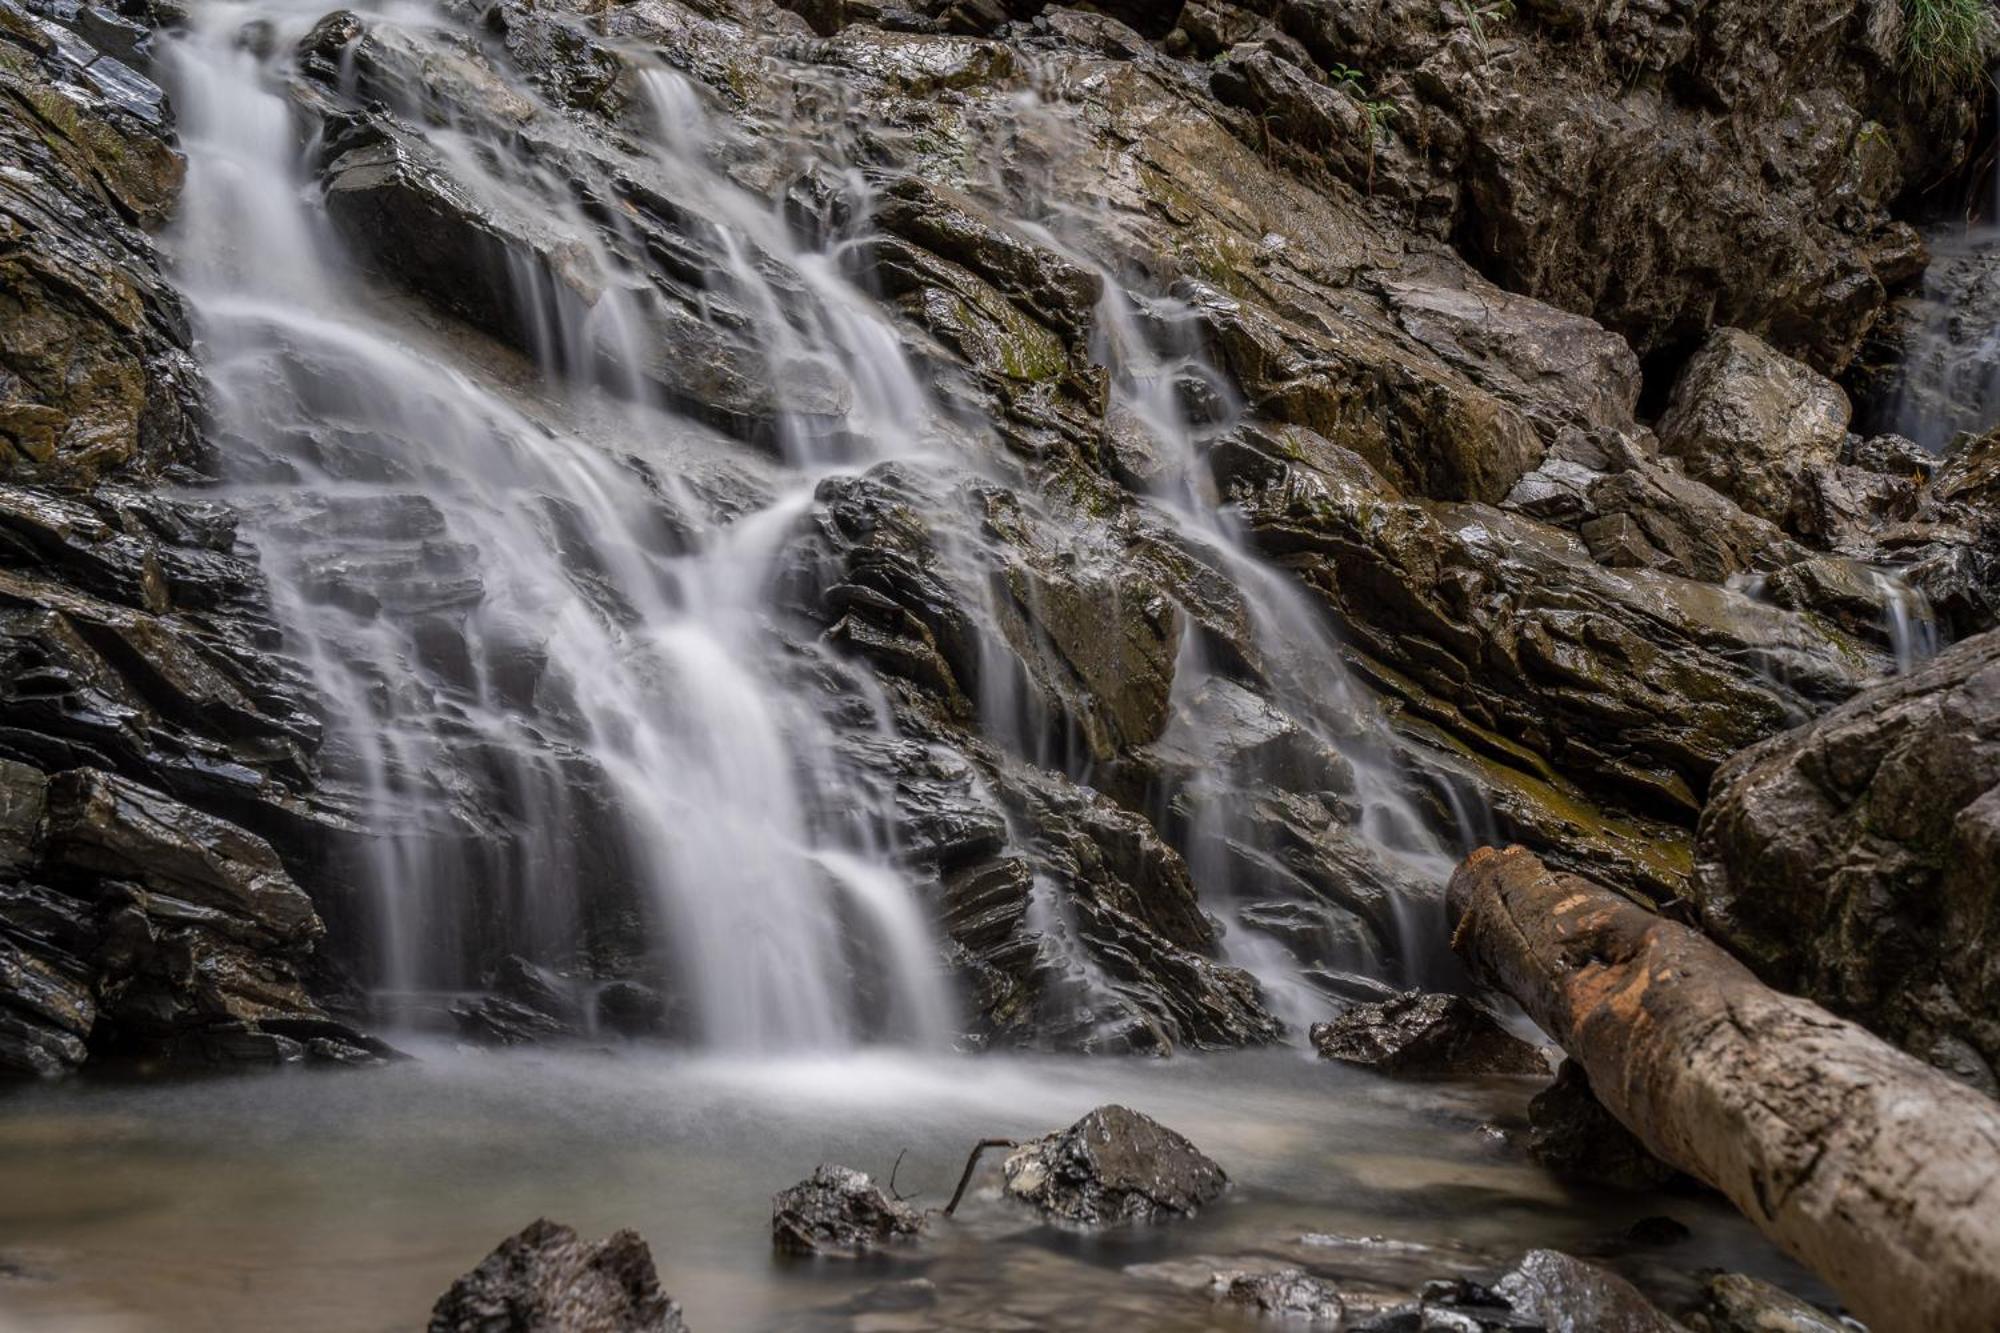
(487, 599)
(549, 634)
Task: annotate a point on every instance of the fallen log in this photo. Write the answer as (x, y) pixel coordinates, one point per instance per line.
(1876, 1171)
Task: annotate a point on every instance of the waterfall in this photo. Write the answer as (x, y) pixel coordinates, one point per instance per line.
(489, 599)
(542, 601)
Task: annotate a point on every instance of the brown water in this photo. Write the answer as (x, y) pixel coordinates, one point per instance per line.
(343, 1200)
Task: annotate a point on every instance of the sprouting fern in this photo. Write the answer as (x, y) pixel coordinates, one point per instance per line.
(1947, 43)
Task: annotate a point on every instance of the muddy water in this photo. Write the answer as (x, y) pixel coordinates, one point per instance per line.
(349, 1201)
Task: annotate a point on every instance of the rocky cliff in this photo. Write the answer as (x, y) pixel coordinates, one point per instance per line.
(1499, 338)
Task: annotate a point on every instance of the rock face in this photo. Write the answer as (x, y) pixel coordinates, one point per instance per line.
(1114, 1165)
(1856, 860)
(1404, 539)
(1426, 1036)
(839, 1212)
(155, 752)
(1739, 121)
(95, 375)
(545, 1279)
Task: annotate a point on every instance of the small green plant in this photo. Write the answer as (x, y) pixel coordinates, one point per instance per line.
(1947, 44)
(1347, 78)
(1476, 16)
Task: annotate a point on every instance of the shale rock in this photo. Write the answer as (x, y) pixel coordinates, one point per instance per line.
(1856, 860)
(839, 1212)
(1114, 1165)
(95, 373)
(1426, 1036)
(545, 1278)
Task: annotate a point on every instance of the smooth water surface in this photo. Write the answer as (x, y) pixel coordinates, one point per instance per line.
(350, 1200)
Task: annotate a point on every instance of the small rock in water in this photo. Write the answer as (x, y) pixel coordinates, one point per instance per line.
(1114, 1165)
(1290, 1293)
(839, 1211)
(1735, 1303)
(1567, 1295)
(545, 1280)
(1421, 1035)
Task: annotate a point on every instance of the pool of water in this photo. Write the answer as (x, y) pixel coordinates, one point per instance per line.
(349, 1200)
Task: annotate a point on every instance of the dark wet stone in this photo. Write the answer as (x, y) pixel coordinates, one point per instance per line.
(1114, 1165)
(545, 1279)
(499, 1021)
(1567, 1295)
(632, 1009)
(1291, 1295)
(1856, 860)
(1571, 1134)
(837, 1211)
(1738, 1303)
(1426, 1036)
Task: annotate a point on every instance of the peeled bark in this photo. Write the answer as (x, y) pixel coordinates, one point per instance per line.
(1870, 1167)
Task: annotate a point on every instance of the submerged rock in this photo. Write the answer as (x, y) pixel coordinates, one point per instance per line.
(546, 1280)
(1857, 860)
(1426, 1036)
(1114, 1165)
(1290, 1295)
(1738, 1303)
(837, 1211)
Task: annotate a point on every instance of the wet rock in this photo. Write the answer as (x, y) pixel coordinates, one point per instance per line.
(1566, 1295)
(95, 373)
(500, 1021)
(1572, 1135)
(632, 1009)
(1755, 424)
(1290, 1295)
(1738, 1303)
(547, 1278)
(839, 1212)
(1426, 1036)
(1619, 678)
(106, 825)
(1855, 860)
(1114, 1165)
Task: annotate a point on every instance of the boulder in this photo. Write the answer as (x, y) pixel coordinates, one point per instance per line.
(1426, 1036)
(839, 1212)
(546, 1279)
(1856, 860)
(1756, 425)
(1114, 1165)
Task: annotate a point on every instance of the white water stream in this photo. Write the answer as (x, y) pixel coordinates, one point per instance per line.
(523, 589)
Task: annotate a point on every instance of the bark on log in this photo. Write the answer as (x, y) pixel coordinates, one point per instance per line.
(1870, 1167)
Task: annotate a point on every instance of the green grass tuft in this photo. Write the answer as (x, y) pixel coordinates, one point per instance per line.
(1947, 43)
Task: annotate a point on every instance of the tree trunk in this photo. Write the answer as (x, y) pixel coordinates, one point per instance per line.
(1876, 1171)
